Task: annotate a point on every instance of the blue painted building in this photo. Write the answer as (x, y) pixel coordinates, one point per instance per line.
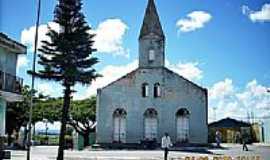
(152, 99)
(10, 84)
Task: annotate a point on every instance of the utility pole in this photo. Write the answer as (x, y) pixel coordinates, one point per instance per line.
(253, 117)
(33, 84)
(215, 114)
(248, 117)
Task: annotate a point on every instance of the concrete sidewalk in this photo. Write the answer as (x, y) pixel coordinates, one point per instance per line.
(50, 153)
(238, 145)
(233, 150)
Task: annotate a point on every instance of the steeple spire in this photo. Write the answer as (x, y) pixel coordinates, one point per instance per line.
(151, 40)
(151, 23)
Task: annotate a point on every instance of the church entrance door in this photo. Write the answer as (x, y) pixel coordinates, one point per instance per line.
(150, 128)
(150, 124)
(119, 129)
(182, 125)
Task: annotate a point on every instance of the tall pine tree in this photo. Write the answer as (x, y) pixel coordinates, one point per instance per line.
(67, 56)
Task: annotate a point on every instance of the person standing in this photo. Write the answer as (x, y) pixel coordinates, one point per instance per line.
(245, 141)
(166, 144)
(218, 138)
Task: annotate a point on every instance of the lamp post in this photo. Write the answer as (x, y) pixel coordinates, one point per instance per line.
(33, 83)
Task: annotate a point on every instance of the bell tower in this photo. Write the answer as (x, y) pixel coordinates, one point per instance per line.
(151, 39)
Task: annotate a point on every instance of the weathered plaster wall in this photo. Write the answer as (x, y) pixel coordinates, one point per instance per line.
(151, 43)
(176, 93)
(2, 116)
(8, 61)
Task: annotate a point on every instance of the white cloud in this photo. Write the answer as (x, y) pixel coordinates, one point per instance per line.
(256, 89)
(262, 15)
(223, 102)
(255, 95)
(22, 61)
(109, 37)
(45, 89)
(28, 35)
(221, 89)
(110, 73)
(245, 10)
(189, 70)
(193, 21)
(236, 103)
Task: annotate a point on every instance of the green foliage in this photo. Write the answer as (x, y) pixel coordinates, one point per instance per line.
(52, 139)
(18, 112)
(81, 111)
(67, 56)
(49, 109)
(83, 117)
(84, 111)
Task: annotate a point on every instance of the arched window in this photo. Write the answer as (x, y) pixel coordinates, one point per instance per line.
(119, 125)
(150, 124)
(157, 91)
(145, 90)
(182, 125)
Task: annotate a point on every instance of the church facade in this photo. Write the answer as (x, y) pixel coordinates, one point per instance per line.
(152, 100)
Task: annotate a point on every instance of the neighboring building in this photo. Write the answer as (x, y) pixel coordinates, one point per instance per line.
(152, 99)
(231, 130)
(257, 132)
(10, 84)
(266, 131)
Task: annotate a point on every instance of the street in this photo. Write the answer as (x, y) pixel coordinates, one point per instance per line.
(232, 150)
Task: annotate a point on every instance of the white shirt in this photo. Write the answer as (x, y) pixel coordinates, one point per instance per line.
(166, 142)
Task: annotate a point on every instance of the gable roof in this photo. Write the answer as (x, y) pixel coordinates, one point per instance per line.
(123, 77)
(194, 84)
(166, 69)
(11, 45)
(229, 123)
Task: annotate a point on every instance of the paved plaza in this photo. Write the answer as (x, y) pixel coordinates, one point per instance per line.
(49, 153)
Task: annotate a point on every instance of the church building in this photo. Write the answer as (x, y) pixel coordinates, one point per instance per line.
(152, 99)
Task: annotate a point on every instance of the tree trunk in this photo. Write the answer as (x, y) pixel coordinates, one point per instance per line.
(9, 139)
(65, 110)
(25, 137)
(34, 130)
(86, 139)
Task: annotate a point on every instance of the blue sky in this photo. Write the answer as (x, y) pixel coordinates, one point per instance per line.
(222, 45)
